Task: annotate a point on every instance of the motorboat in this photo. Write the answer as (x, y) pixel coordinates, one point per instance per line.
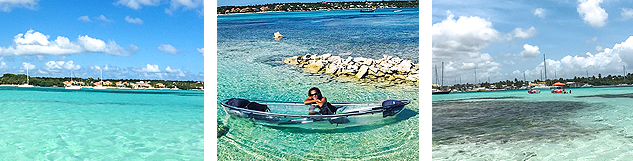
(397, 10)
(534, 91)
(586, 86)
(295, 114)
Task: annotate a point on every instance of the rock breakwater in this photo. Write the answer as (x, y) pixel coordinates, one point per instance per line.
(388, 69)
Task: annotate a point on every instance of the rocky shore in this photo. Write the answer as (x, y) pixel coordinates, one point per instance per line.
(387, 70)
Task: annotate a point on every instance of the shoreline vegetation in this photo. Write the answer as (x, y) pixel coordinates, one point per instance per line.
(317, 6)
(386, 71)
(16, 79)
(576, 82)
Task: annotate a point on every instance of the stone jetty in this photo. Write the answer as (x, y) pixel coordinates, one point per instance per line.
(388, 69)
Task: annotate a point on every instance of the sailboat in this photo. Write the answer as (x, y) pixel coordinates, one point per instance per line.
(27, 80)
(71, 82)
(100, 86)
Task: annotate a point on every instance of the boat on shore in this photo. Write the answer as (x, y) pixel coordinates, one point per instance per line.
(437, 91)
(70, 85)
(275, 113)
(26, 85)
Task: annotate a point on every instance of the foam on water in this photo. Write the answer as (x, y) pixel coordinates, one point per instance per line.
(250, 66)
(56, 124)
(588, 124)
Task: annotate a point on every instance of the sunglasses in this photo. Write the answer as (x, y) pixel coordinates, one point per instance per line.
(313, 94)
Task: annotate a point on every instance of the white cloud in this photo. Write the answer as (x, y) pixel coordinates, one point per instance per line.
(149, 69)
(457, 43)
(592, 13)
(103, 18)
(201, 50)
(185, 4)
(167, 48)
(168, 11)
(627, 13)
(84, 18)
(3, 65)
(28, 66)
(6, 5)
(609, 61)
(137, 4)
(539, 12)
(529, 51)
(175, 72)
(58, 66)
(592, 40)
(523, 33)
(599, 49)
(133, 20)
(36, 43)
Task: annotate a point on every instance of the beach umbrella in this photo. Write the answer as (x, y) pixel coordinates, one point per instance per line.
(559, 84)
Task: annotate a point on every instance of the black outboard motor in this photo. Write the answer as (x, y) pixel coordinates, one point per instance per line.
(392, 107)
(243, 103)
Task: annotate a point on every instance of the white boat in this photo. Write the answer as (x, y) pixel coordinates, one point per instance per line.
(27, 80)
(586, 86)
(623, 85)
(71, 84)
(100, 85)
(397, 10)
(543, 87)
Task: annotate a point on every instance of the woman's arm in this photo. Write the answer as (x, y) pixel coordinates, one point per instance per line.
(309, 100)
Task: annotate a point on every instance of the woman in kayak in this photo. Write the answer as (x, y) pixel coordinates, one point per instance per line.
(315, 99)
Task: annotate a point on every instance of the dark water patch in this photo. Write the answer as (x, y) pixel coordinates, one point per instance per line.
(626, 95)
(274, 60)
(222, 129)
(484, 98)
(505, 121)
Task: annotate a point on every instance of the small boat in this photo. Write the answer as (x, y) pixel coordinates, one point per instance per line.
(294, 114)
(586, 86)
(534, 91)
(367, 10)
(277, 35)
(70, 86)
(100, 86)
(27, 85)
(397, 10)
(437, 91)
(624, 85)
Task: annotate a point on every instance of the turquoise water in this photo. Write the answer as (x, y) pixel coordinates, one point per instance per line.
(52, 123)
(588, 124)
(250, 66)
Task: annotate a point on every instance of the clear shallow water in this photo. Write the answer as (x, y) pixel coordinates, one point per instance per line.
(51, 123)
(250, 66)
(588, 124)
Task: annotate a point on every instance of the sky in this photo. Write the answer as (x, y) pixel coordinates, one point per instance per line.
(503, 40)
(126, 39)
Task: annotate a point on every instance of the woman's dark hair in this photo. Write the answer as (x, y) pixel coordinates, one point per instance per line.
(318, 92)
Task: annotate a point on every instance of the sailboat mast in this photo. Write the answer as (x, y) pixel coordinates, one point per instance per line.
(27, 75)
(436, 79)
(442, 73)
(475, 75)
(545, 65)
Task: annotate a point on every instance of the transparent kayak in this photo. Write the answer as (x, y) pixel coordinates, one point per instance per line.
(295, 114)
